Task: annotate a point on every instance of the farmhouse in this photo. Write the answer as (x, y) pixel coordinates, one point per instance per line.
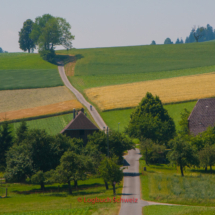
(202, 116)
(79, 127)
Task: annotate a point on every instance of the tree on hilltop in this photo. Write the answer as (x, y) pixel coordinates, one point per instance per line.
(25, 42)
(168, 41)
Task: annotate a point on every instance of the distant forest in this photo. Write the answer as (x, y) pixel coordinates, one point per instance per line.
(207, 33)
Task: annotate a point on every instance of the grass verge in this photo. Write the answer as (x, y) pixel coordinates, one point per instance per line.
(177, 210)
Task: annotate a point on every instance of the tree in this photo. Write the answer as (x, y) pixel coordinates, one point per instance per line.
(2, 51)
(153, 42)
(110, 171)
(38, 152)
(25, 42)
(19, 163)
(21, 132)
(72, 167)
(207, 156)
(150, 120)
(182, 153)
(152, 153)
(168, 41)
(49, 31)
(198, 33)
(184, 122)
(6, 141)
(118, 143)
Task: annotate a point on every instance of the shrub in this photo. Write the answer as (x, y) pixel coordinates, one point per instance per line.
(48, 55)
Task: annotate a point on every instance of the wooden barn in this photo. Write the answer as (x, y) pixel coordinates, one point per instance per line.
(79, 127)
(202, 116)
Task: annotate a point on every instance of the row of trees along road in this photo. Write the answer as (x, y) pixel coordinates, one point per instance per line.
(34, 156)
(159, 141)
(45, 33)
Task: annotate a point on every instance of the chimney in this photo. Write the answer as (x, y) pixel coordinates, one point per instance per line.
(82, 110)
(73, 113)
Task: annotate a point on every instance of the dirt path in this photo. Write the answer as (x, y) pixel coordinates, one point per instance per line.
(98, 119)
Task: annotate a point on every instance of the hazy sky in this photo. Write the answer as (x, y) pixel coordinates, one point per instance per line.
(100, 23)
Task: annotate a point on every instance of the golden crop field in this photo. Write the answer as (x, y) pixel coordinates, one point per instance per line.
(169, 90)
(41, 110)
(11, 100)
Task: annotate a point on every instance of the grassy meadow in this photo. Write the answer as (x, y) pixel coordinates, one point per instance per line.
(22, 71)
(177, 210)
(163, 183)
(27, 199)
(119, 65)
(172, 90)
(113, 117)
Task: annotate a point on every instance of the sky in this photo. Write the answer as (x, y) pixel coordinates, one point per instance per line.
(100, 23)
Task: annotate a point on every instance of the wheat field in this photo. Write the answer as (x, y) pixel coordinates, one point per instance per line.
(169, 90)
(11, 100)
(41, 110)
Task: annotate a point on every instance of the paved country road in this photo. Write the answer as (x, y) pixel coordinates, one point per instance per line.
(98, 119)
(131, 186)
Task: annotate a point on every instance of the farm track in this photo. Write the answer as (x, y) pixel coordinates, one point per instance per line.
(98, 119)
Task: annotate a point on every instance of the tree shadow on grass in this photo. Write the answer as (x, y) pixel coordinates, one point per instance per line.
(55, 190)
(68, 59)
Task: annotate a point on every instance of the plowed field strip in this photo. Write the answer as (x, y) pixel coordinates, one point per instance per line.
(42, 110)
(169, 90)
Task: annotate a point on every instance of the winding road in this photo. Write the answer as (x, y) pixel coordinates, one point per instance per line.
(131, 184)
(98, 119)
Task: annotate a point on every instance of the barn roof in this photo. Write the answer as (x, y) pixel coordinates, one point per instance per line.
(202, 116)
(80, 122)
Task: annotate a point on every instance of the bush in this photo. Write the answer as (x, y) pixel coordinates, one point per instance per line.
(48, 55)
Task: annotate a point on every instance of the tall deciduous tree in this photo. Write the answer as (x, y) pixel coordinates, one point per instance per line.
(110, 171)
(72, 167)
(25, 42)
(182, 153)
(150, 120)
(49, 31)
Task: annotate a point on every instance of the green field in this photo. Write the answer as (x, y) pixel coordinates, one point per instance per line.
(177, 210)
(163, 183)
(52, 125)
(29, 200)
(22, 71)
(112, 118)
(117, 65)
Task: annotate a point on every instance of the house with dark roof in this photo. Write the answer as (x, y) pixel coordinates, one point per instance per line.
(79, 127)
(202, 116)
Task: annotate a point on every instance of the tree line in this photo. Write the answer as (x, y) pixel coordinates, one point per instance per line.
(160, 143)
(32, 155)
(45, 33)
(200, 34)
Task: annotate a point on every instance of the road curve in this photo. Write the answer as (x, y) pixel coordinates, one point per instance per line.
(98, 119)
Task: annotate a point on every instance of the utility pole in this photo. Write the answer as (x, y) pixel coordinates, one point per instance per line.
(107, 143)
